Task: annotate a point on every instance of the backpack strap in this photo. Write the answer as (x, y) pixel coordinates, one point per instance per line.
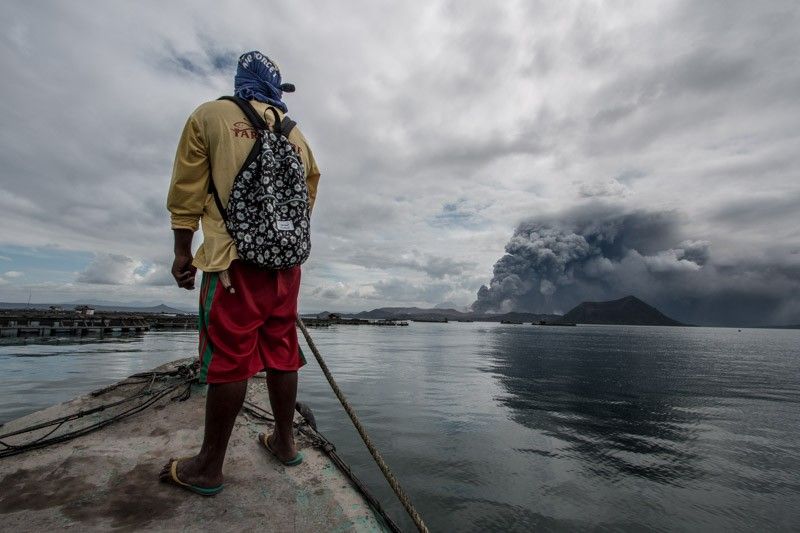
(256, 121)
(212, 189)
(283, 127)
(287, 125)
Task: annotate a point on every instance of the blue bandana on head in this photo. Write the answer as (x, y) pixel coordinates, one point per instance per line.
(258, 78)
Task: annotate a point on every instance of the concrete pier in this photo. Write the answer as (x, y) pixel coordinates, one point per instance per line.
(108, 479)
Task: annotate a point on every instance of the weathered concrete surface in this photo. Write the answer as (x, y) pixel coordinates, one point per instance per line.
(108, 480)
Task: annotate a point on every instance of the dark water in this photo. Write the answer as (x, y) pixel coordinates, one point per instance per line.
(38, 373)
(514, 428)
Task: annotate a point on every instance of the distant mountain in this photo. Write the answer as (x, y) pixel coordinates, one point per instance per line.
(417, 313)
(625, 311)
(97, 303)
(161, 308)
(408, 312)
(109, 307)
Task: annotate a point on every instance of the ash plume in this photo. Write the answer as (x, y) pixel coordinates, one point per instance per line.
(551, 265)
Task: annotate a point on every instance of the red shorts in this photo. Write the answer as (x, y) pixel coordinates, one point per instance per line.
(252, 329)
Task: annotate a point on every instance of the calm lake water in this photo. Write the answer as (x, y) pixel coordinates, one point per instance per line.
(516, 427)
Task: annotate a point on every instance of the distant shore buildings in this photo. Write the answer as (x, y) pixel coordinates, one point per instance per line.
(85, 310)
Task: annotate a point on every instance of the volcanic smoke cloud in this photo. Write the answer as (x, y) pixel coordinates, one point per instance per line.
(601, 254)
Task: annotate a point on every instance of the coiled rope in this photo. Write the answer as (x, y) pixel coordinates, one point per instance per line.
(181, 377)
(390, 478)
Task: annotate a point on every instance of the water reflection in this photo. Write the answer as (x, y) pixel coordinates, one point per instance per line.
(34, 376)
(520, 428)
(620, 411)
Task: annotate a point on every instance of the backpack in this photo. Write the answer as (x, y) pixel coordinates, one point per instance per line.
(267, 215)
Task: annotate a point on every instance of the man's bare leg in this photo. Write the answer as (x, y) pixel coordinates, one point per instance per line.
(282, 396)
(223, 403)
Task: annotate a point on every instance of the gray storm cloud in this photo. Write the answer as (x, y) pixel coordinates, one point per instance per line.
(667, 105)
(598, 254)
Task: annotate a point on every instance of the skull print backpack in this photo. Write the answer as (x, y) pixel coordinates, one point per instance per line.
(267, 213)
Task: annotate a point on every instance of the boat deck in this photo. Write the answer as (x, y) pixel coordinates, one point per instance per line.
(108, 479)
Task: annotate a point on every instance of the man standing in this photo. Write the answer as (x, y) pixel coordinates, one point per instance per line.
(247, 313)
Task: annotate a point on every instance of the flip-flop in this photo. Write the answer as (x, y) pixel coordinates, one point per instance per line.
(296, 460)
(203, 491)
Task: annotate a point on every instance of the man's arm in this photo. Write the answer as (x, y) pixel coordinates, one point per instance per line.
(186, 198)
(312, 175)
(299, 141)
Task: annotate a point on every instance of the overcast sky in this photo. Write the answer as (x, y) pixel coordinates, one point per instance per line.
(440, 128)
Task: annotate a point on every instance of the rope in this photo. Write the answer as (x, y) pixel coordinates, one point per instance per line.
(148, 397)
(398, 490)
(319, 441)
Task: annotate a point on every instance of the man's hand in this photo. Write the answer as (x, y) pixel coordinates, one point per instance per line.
(183, 271)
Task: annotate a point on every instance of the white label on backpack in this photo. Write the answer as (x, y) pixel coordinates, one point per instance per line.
(285, 225)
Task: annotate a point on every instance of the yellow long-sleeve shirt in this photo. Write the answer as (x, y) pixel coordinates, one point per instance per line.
(216, 141)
